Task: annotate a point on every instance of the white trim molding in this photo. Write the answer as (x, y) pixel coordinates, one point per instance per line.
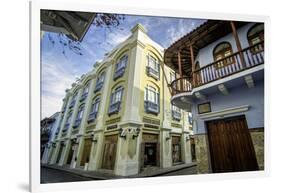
(225, 112)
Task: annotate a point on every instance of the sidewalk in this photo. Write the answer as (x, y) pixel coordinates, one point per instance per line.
(102, 174)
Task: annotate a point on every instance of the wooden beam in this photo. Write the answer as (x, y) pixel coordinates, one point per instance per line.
(180, 69)
(165, 77)
(192, 64)
(238, 44)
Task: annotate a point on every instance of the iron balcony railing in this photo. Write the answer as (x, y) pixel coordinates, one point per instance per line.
(176, 115)
(119, 73)
(84, 96)
(66, 126)
(152, 73)
(98, 86)
(72, 104)
(151, 107)
(235, 63)
(92, 117)
(114, 108)
(77, 123)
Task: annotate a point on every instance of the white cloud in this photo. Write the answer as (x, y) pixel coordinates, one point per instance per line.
(175, 32)
(55, 79)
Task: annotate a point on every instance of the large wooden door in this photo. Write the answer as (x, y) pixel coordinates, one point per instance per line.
(70, 154)
(230, 144)
(59, 153)
(176, 149)
(109, 155)
(86, 151)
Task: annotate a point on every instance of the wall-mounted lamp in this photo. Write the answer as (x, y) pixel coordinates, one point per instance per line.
(168, 136)
(54, 145)
(136, 132)
(187, 138)
(74, 141)
(95, 140)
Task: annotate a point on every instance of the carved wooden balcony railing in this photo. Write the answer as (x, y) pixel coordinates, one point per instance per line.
(235, 63)
(181, 85)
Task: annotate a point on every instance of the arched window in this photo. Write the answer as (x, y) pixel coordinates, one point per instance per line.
(73, 100)
(153, 67)
(85, 91)
(100, 82)
(115, 100)
(151, 100)
(255, 36)
(94, 110)
(221, 51)
(120, 67)
(79, 116)
(68, 119)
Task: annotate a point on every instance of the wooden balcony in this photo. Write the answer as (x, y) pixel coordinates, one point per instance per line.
(235, 63)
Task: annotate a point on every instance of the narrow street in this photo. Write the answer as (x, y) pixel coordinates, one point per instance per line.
(55, 176)
(52, 175)
(186, 171)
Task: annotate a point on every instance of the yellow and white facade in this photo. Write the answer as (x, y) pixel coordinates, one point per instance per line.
(119, 116)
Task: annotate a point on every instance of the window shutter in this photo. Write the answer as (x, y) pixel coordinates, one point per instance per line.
(147, 60)
(158, 102)
(158, 65)
(126, 61)
(146, 94)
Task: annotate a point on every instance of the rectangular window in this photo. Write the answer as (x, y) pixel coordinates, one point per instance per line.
(176, 113)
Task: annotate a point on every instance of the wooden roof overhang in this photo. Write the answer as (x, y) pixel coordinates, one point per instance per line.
(206, 33)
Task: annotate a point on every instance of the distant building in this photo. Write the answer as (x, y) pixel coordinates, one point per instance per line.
(48, 129)
(119, 116)
(220, 79)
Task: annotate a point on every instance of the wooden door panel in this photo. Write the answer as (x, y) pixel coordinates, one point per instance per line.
(230, 145)
(86, 152)
(109, 155)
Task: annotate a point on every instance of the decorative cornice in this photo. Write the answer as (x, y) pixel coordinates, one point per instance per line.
(131, 124)
(225, 112)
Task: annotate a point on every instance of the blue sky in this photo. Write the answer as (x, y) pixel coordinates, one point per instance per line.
(59, 70)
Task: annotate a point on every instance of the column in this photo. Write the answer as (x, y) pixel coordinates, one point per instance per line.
(67, 138)
(238, 44)
(57, 145)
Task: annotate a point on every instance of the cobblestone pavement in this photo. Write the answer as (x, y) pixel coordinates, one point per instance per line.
(54, 176)
(186, 171)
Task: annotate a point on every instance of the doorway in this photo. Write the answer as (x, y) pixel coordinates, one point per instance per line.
(59, 153)
(150, 150)
(86, 151)
(109, 154)
(230, 145)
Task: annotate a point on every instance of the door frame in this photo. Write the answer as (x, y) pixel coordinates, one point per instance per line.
(235, 117)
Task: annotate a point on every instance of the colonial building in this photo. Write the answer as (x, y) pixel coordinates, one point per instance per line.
(119, 116)
(220, 67)
(48, 128)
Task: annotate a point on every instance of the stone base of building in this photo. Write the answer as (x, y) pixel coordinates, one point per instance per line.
(203, 155)
(257, 136)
